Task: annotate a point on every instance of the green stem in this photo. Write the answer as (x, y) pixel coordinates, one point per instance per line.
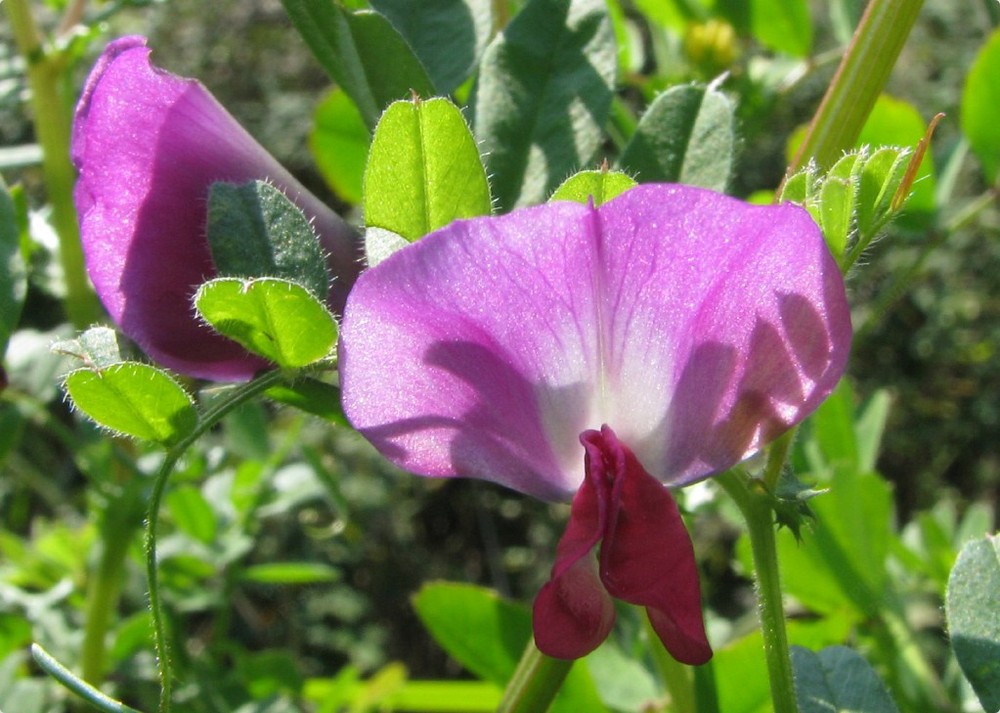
(51, 119)
(677, 678)
(209, 419)
(859, 80)
(754, 502)
(535, 682)
(77, 686)
(102, 601)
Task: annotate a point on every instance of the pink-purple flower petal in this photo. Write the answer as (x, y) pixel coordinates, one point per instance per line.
(695, 325)
(148, 146)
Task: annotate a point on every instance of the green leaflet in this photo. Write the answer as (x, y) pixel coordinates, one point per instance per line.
(362, 52)
(543, 96)
(980, 100)
(339, 144)
(973, 624)
(254, 230)
(487, 635)
(601, 186)
(423, 170)
(278, 319)
(134, 399)
(685, 136)
(838, 679)
(448, 36)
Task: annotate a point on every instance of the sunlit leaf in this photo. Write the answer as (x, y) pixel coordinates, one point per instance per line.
(599, 186)
(277, 319)
(980, 100)
(134, 399)
(423, 170)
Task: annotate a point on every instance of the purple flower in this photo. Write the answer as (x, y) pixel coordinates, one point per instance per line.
(690, 328)
(148, 146)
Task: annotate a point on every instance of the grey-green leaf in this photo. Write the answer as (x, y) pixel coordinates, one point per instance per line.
(974, 617)
(685, 136)
(96, 348)
(362, 52)
(838, 680)
(448, 36)
(543, 96)
(254, 230)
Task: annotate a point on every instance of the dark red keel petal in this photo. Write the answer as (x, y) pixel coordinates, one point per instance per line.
(646, 554)
(573, 613)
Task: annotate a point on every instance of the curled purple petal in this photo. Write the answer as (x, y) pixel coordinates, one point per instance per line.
(148, 145)
(697, 326)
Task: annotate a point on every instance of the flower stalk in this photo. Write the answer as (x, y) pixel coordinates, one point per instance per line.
(535, 683)
(859, 80)
(754, 503)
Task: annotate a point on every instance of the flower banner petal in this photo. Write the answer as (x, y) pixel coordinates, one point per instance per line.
(694, 324)
(148, 146)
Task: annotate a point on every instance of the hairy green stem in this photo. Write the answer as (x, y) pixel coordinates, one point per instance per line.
(859, 80)
(754, 502)
(535, 682)
(51, 116)
(209, 419)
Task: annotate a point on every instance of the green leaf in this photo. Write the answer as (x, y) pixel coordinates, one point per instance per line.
(484, 633)
(254, 230)
(837, 196)
(362, 52)
(339, 144)
(685, 136)
(980, 100)
(277, 319)
(837, 680)
(312, 396)
(134, 399)
(448, 36)
(13, 279)
(881, 174)
(423, 170)
(869, 427)
(894, 122)
(487, 635)
(782, 25)
(97, 347)
(192, 514)
(833, 428)
(599, 186)
(290, 573)
(543, 96)
(973, 624)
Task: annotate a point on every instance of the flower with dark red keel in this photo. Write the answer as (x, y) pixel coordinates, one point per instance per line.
(690, 328)
(148, 146)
